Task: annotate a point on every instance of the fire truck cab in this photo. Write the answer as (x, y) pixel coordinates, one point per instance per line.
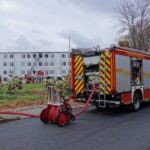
(122, 74)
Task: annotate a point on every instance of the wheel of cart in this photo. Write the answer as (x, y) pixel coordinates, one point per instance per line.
(43, 116)
(62, 118)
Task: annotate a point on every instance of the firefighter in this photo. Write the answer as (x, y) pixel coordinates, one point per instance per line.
(49, 81)
(59, 87)
(49, 85)
(19, 83)
(11, 85)
(66, 86)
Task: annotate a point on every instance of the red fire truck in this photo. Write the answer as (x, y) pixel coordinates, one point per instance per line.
(122, 74)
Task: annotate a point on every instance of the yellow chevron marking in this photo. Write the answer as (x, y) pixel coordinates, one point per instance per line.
(102, 88)
(78, 62)
(101, 68)
(79, 67)
(108, 75)
(108, 69)
(102, 55)
(107, 54)
(106, 92)
(102, 82)
(108, 61)
(105, 75)
(79, 84)
(108, 88)
(80, 72)
(102, 63)
(81, 88)
(102, 75)
(107, 81)
(76, 58)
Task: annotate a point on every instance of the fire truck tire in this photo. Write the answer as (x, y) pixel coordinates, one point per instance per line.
(136, 102)
(62, 119)
(43, 117)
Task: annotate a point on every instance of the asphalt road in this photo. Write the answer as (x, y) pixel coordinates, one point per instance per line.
(116, 129)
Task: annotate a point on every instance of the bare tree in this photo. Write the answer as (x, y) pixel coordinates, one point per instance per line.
(134, 19)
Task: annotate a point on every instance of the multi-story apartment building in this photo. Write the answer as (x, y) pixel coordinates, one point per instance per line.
(34, 63)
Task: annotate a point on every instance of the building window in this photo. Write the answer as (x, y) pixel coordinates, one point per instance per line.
(63, 63)
(63, 55)
(22, 71)
(5, 72)
(34, 56)
(29, 64)
(11, 72)
(28, 56)
(11, 64)
(46, 63)
(51, 71)
(46, 55)
(5, 79)
(23, 55)
(51, 63)
(40, 64)
(5, 64)
(23, 64)
(11, 56)
(34, 64)
(34, 71)
(52, 55)
(5, 56)
(63, 71)
(40, 55)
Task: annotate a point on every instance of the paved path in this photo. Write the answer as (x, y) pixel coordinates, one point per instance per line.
(94, 130)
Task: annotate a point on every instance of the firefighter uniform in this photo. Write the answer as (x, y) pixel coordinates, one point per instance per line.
(59, 88)
(49, 84)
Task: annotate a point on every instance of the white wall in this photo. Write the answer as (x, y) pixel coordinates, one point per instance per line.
(17, 60)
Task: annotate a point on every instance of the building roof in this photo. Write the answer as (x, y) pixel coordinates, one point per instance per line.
(22, 52)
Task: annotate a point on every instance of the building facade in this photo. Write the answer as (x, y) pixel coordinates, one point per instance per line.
(36, 64)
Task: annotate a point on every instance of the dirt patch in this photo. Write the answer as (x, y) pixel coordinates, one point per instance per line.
(21, 104)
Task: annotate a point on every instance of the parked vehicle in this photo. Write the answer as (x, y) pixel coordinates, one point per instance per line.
(124, 76)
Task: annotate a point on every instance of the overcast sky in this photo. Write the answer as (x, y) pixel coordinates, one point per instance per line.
(45, 25)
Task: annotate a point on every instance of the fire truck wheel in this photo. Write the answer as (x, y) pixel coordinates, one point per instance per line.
(136, 102)
(62, 119)
(43, 116)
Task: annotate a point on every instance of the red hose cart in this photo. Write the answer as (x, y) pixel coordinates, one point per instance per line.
(59, 110)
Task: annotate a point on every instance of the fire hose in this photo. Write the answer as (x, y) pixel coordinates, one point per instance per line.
(86, 104)
(19, 113)
(54, 113)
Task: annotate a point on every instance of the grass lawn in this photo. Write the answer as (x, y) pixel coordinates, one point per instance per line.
(31, 93)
